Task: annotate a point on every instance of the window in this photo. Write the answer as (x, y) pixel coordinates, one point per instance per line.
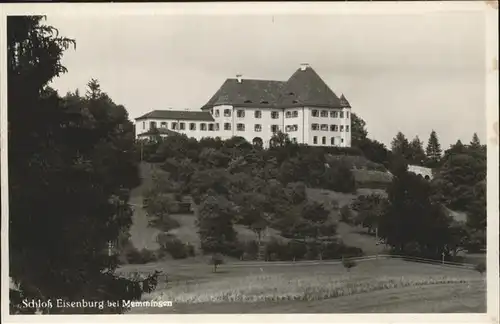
(295, 101)
(264, 102)
(314, 113)
(227, 112)
(347, 128)
(143, 125)
(240, 113)
(217, 126)
(295, 127)
(163, 124)
(275, 114)
(294, 139)
(240, 127)
(174, 126)
(324, 127)
(323, 140)
(182, 126)
(274, 128)
(324, 113)
(247, 101)
(341, 128)
(152, 125)
(288, 128)
(334, 114)
(315, 140)
(288, 114)
(346, 114)
(258, 128)
(216, 112)
(341, 114)
(292, 128)
(314, 126)
(342, 140)
(227, 126)
(295, 113)
(203, 126)
(332, 141)
(192, 126)
(257, 114)
(334, 128)
(211, 127)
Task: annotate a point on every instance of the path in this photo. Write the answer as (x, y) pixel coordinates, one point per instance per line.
(142, 236)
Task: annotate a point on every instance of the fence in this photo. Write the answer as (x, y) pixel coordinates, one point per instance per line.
(469, 266)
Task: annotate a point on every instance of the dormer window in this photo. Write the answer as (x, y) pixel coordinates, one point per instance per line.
(264, 102)
(247, 101)
(227, 112)
(291, 94)
(295, 101)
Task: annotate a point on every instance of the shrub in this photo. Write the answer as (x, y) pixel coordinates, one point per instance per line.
(216, 260)
(297, 250)
(481, 267)
(175, 247)
(190, 250)
(348, 264)
(134, 256)
(346, 214)
(276, 251)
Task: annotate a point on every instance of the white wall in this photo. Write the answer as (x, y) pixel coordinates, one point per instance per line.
(304, 134)
(338, 135)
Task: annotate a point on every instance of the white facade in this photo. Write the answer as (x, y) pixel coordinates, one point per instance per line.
(305, 125)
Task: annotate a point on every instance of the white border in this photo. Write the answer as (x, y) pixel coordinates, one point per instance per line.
(338, 8)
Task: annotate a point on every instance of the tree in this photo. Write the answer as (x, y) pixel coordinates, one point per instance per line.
(67, 199)
(416, 152)
(251, 212)
(216, 260)
(433, 151)
(348, 264)
(215, 224)
(358, 130)
(400, 146)
(412, 222)
(475, 143)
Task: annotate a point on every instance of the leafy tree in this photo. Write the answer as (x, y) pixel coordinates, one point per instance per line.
(215, 224)
(251, 212)
(71, 169)
(433, 151)
(348, 264)
(358, 130)
(375, 151)
(411, 218)
(346, 214)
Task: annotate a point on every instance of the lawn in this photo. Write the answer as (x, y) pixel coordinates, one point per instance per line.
(372, 286)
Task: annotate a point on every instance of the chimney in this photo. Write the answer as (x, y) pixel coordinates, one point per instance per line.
(304, 66)
(238, 77)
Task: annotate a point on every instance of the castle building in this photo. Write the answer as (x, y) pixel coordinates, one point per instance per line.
(304, 107)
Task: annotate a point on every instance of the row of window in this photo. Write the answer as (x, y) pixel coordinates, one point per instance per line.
(241, 127)
(333, 140)
(333, 128)
(240, 113)
(333, 114)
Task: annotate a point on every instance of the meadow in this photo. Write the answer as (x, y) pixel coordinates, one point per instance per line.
(378, 285)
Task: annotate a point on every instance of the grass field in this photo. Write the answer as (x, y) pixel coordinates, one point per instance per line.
(372, 286)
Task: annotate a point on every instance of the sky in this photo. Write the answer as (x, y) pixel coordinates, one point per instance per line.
(412, 73)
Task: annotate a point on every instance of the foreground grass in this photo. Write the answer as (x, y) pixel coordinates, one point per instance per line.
(271, 288)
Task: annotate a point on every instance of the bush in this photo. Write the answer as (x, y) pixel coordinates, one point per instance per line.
(296, 250)
(175, 247)
(481, 267)
(346, 214)
(348, 264)
(276, 251)
(134, 256)
(216, 260)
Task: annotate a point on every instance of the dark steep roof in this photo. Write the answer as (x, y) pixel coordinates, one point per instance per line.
(304, 88)
(344, 102)
(178, 115)
(249, 92)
